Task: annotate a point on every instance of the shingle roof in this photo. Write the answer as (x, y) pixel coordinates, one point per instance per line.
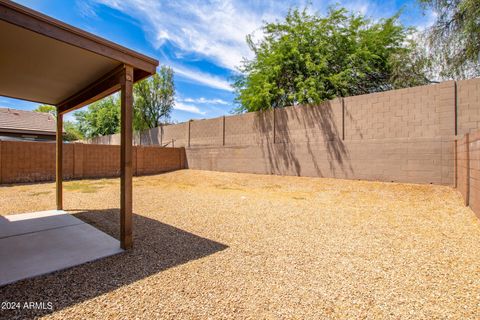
(26, 121)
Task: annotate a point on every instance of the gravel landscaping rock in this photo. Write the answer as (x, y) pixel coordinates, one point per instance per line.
(241, 246)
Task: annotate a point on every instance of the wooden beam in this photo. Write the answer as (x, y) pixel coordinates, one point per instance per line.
(34, 21)
(59, 162)
(99, 89)
(105, 86)
(126, 170)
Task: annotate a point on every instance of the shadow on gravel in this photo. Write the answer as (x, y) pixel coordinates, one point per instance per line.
(157, 247)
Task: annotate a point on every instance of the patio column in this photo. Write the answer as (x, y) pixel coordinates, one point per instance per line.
(59, 161)
(126, 84)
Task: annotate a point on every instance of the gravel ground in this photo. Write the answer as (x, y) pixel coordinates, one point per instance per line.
(227, 245)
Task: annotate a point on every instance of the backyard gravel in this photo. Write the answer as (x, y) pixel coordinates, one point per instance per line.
(227, 245)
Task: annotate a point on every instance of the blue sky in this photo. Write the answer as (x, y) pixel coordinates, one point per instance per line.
(203, 41)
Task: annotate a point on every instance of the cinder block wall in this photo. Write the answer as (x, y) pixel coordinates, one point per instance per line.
(402, 135)
(425, 111)
(206, 132)
(462, 168)
(35, 161)
(474, 166)
(468, 169)
(405, 135)
(468, 105)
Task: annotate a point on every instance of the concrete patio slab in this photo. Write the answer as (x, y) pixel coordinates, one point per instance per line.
(37, 243)
(18, 224)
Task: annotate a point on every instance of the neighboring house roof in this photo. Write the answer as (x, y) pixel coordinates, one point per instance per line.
(21, 121)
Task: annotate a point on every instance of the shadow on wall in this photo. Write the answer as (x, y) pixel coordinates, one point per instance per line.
(151, 136)
(157, 247)
(297, 126)
(263, 125)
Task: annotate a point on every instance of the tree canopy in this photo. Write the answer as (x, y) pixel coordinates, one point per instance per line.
(101, 118)
(72, 133)
(45, 108)
(154, 99)
(307, 58)
(454, 37)
(153, 102)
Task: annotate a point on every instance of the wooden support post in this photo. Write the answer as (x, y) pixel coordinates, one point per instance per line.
(1, 173)
(59, 162)
(126, 171)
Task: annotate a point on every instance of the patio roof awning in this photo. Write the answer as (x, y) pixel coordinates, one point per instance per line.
(47, 61)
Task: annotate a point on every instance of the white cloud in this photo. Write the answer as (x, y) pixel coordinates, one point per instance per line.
(188, 108)
(203, 100)
(85, 9)
(215, 29)
(203, 78)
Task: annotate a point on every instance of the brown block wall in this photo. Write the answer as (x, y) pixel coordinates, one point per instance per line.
(402, 160)
(309, 123)
(151, 137)
(400, 135)
(474, 158)
(468, 169)
(101, 161)
(31, 161)
(35, 161)
(253, 128)
(177, 132)
(462, 168)
(206, 132)
(425, 111)
(468, 105)
(151, 160)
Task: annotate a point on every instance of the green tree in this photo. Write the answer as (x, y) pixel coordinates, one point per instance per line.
(153, 102)
(307, 58)
(72, 132)
(101, 118)
(45, 108)
(454, 37)
(154, 99)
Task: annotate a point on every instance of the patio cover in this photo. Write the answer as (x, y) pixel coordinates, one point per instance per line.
(47, 61)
